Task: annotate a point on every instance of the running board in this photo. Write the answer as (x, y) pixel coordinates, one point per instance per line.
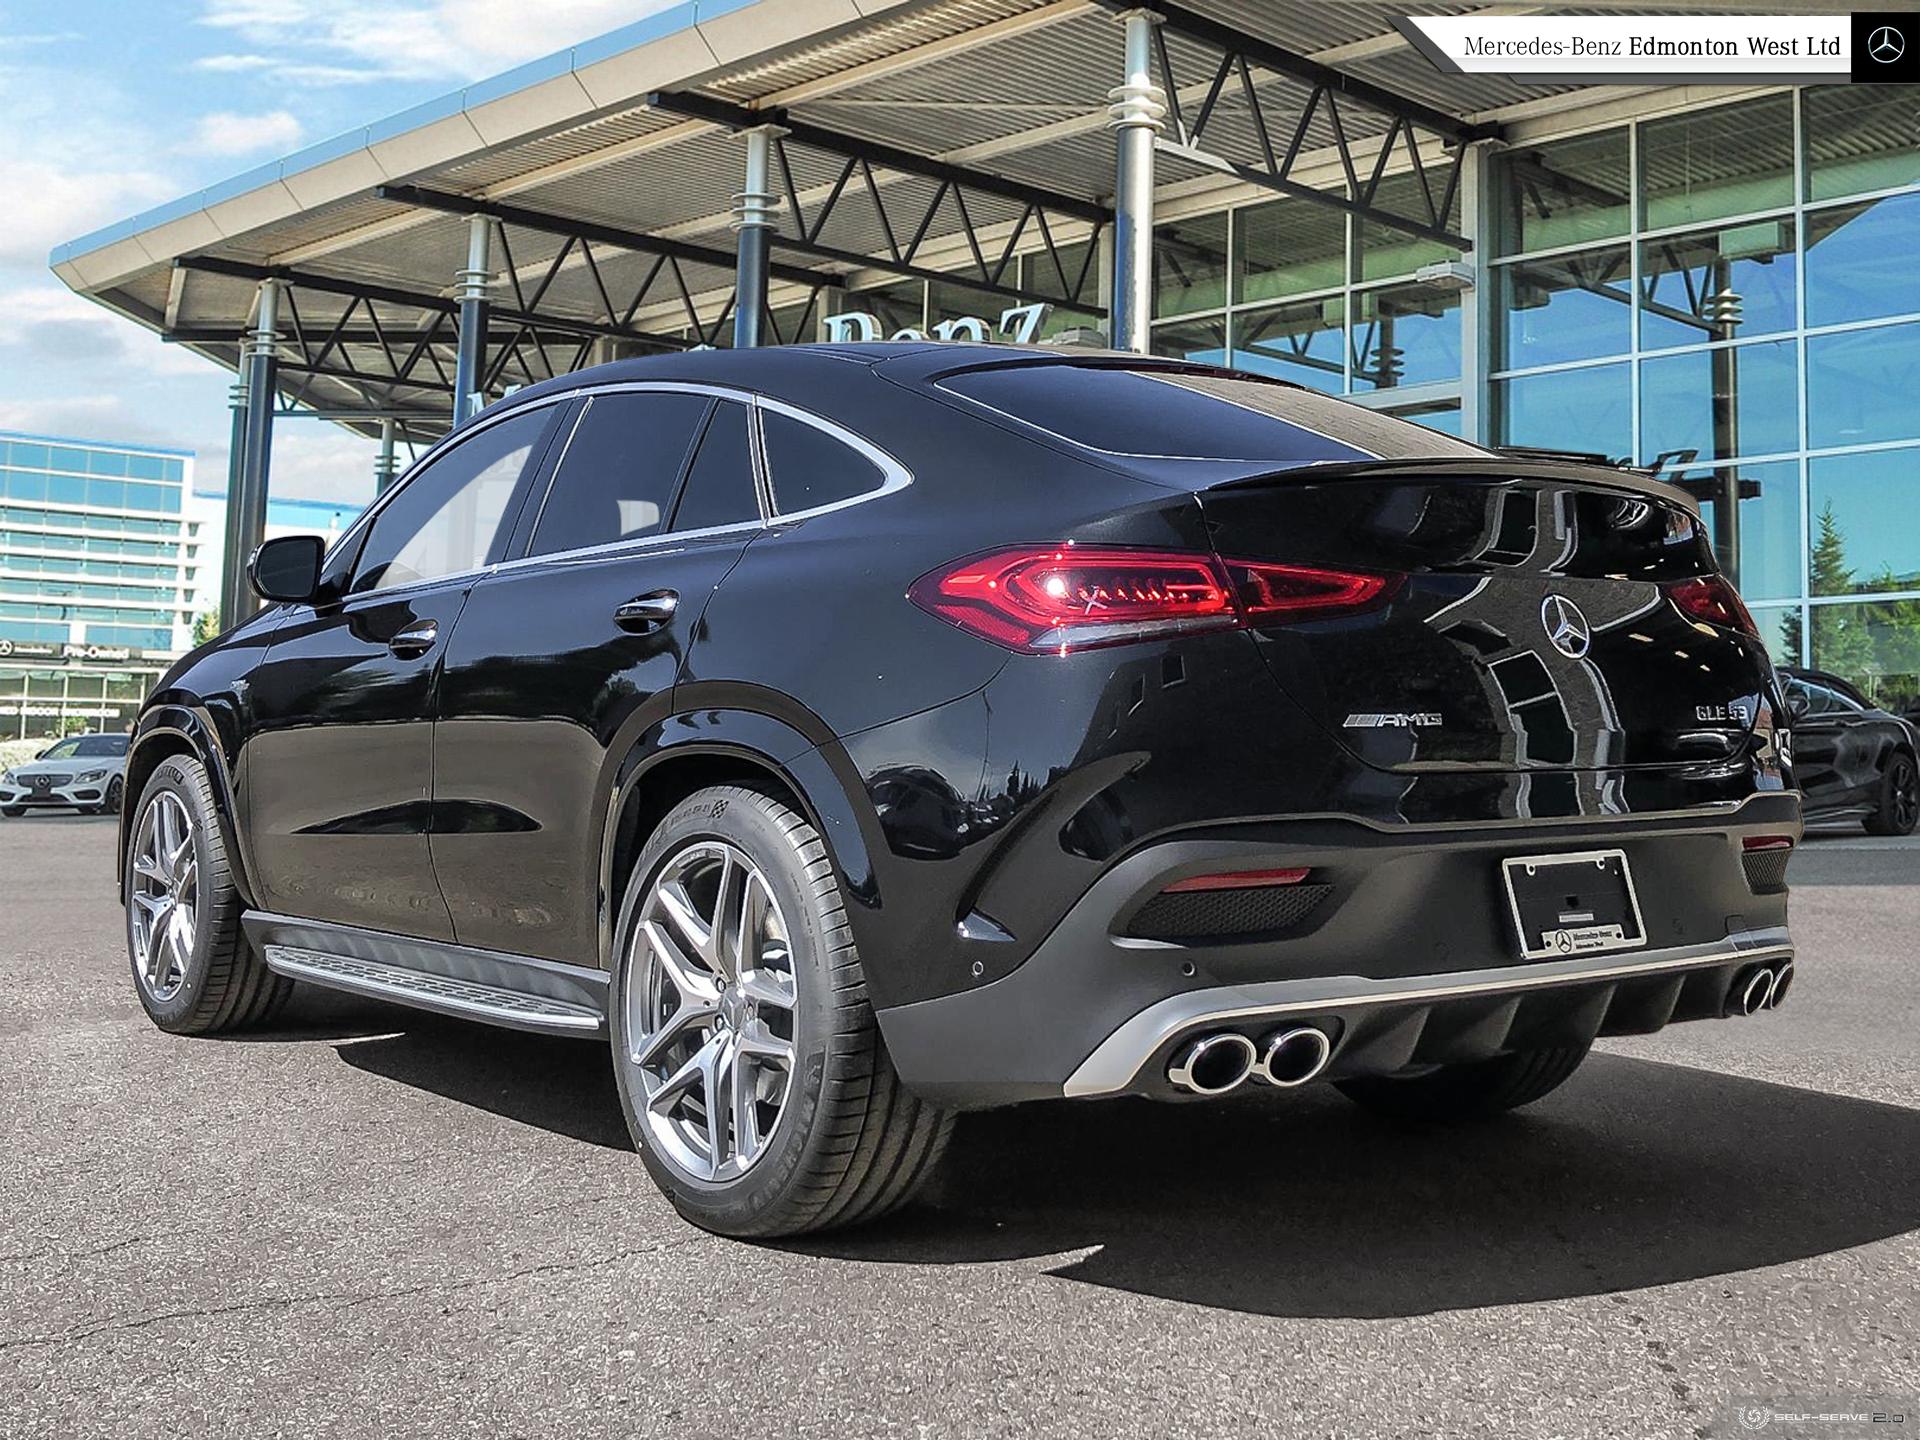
(498, 989)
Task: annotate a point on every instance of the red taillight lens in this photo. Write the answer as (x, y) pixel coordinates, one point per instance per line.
(1300, 592)
(1071, 597)
(1766, 842)
(1712, 599)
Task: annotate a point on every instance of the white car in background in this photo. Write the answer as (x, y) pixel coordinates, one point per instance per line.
(83, 772)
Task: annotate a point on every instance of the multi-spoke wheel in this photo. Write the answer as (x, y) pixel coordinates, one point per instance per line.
(192, 967)
(749, 1063)
(713, 1011)
(163, 896)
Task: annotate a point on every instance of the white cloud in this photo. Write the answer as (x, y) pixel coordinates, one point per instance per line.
(49, 202)
(234, 64)
(229, 133)
(351, 40)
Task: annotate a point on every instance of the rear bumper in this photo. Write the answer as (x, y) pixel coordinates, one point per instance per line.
(1410, 957)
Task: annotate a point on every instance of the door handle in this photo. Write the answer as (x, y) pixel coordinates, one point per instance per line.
(648, 612)
(415, 641)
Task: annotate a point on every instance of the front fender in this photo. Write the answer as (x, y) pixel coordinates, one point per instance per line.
(172, 727)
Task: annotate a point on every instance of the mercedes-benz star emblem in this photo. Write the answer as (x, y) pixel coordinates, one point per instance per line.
(1886, 44)
(1567, 629)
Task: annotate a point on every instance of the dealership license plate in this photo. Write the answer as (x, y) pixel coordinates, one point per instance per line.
(1573, 904)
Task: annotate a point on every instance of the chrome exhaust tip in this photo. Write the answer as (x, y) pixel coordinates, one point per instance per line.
(1750, 991)
(1293, 1057)
(1782, 982)
(1213, 1064)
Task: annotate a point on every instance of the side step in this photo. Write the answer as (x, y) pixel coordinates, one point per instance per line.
(468, 999)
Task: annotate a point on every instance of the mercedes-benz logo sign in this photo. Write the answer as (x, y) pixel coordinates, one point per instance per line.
(1567, 629)
(1886, 44)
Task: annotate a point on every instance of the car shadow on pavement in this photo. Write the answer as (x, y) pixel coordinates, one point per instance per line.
(564, 1086)
(1636, 1174)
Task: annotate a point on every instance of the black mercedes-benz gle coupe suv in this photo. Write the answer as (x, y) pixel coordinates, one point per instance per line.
(853, 735)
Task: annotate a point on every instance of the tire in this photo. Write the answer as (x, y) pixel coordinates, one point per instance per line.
(208, 980)
(13, 812)
(1898, 808)
(847, 1142)
(1477, 1090)
(115, 798)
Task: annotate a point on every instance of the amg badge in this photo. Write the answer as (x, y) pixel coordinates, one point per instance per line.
(1396, 721)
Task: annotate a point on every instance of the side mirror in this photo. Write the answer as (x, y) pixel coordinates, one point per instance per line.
(287, 568)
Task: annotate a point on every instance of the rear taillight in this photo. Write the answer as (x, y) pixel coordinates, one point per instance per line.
(1072, 597)
(1238, 880)
(1711, 599)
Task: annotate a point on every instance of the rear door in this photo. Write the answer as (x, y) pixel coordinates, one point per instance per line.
(566, 655)
(336, 778)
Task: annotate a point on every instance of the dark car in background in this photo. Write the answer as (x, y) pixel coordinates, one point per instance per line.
(1854, 760)
(853, 734)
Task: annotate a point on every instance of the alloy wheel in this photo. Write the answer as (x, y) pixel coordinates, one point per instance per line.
(165, 896)
(711, 995)
(1906, 798)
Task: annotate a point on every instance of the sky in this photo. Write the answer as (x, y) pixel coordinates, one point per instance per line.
(109, 108)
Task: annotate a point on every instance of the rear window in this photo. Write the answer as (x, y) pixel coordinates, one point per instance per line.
(1187, 415)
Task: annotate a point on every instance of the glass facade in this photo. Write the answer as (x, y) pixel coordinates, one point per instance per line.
(1728, 292)
(97, 571)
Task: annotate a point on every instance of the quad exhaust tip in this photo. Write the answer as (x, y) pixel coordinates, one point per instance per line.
(1753, 990)
(1217, 1063)
(1213, 1064)
(1293, 1057)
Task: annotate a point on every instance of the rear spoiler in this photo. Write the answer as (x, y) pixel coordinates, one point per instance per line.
(1495, 466)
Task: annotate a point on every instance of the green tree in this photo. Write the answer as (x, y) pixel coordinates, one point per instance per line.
(206, 627)
(1842, 634)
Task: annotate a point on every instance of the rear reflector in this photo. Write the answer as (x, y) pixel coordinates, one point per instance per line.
(1237, 880)
(1060, 598)
(1767, 842)
(1711, 599)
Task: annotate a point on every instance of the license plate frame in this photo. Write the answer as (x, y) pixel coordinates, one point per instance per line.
(1596, 929)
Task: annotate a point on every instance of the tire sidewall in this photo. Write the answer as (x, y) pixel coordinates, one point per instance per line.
(1900, 773)
(182, 777)
(737, 1205)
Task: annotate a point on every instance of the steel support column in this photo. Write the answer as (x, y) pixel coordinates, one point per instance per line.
(1136, 113)
(754, 210)
(470, 355)
(233, 560)
(387, 467)
(1478, 316)
(247, 508)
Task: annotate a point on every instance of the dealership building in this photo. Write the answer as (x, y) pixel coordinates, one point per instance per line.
(101, 576)
(1714, 280)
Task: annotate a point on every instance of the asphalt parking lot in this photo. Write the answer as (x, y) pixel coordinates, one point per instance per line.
(370, 1223)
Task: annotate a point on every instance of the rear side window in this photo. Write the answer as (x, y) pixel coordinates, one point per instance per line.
(810, 468)
(621, 467)
(1192, 416)
(719, 488)
(447, 519)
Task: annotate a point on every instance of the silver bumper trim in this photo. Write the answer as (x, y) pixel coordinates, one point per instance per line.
(1117, 1060)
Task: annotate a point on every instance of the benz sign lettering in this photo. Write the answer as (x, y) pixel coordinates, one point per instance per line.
(1567, 628)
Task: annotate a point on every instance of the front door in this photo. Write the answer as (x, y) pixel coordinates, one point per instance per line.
(337, 776)
(565, 657)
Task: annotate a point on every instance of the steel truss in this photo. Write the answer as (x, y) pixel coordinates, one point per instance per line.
(907, 225)
(1332, 97)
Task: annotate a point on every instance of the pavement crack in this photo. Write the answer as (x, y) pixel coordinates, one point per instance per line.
(343, 1300)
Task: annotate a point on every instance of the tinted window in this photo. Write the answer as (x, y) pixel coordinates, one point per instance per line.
(446, 519)
(617, 477)
(719, 489)
(810, 468)
(1129, 412)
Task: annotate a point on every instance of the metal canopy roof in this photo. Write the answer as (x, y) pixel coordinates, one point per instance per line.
(369, 229)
